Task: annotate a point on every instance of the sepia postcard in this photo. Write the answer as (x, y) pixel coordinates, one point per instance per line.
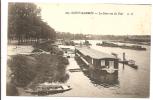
(78, 50)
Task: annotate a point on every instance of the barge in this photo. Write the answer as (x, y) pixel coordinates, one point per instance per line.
(97, 60)
(132, 47)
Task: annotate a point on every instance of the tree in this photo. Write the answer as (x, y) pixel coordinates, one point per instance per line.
(25, 23)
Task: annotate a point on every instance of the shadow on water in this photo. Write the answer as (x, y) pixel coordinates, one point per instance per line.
(99, 77)
(102, 78)
(50, 93)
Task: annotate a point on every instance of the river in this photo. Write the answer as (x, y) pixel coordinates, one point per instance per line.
(128, 82)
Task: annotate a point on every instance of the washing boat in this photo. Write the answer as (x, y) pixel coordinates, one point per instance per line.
(48, 88)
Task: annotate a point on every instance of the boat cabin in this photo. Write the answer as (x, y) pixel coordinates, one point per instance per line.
(96, 58)
(69, 51)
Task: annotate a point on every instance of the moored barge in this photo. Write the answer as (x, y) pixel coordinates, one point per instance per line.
(96, 59)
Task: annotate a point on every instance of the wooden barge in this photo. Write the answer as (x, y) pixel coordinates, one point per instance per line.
(132, 47)
(97, 60)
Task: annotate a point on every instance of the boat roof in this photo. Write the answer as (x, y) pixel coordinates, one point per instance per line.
(66, 47)
(87, 51)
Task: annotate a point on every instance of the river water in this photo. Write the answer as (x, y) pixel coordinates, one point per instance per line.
(127, 82)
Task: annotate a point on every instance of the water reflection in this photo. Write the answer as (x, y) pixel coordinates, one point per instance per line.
(123, 83)
(102, 78)
(99, 77)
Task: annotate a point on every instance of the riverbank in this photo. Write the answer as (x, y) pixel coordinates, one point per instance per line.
(129, 82)
(26, 71)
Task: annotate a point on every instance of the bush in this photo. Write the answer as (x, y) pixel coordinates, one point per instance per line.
(22, 69)
(37, 69)
(63, 60)
(36, 50)
(46, 46)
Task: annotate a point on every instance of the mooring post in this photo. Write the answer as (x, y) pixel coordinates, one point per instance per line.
(75, 51)
(123, 59)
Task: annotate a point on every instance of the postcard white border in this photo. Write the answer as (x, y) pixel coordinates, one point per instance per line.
(4, 45)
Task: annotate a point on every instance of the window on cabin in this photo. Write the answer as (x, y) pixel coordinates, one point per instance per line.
(111, 63)
(92, 61)
(102, 62)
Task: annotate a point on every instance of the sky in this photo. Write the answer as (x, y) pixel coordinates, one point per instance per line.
(106, 19)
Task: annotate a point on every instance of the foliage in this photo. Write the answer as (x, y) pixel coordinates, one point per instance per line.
(46, 46)
(23, 69)
(37, 69)
(49, 47)
(50, 69)
(76, 36)
(36, 50)
(63, 60)
(25, 23)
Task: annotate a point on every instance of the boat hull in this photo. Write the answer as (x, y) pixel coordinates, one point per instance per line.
(47, 91)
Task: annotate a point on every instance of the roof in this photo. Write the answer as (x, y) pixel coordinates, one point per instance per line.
(66, 47)
(94, 53)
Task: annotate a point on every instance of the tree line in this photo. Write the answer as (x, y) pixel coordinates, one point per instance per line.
(79, 36)
(70, 36)
(25, 24)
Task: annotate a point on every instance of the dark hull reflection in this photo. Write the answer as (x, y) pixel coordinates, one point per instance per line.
(102, 78)
(49, 93)
(99, 77)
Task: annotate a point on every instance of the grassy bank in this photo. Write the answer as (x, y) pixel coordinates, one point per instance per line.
(27, 71)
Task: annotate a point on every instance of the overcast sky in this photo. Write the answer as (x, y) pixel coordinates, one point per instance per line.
(137, 23)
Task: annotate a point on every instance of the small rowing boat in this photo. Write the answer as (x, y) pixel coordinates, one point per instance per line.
(48, 88)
